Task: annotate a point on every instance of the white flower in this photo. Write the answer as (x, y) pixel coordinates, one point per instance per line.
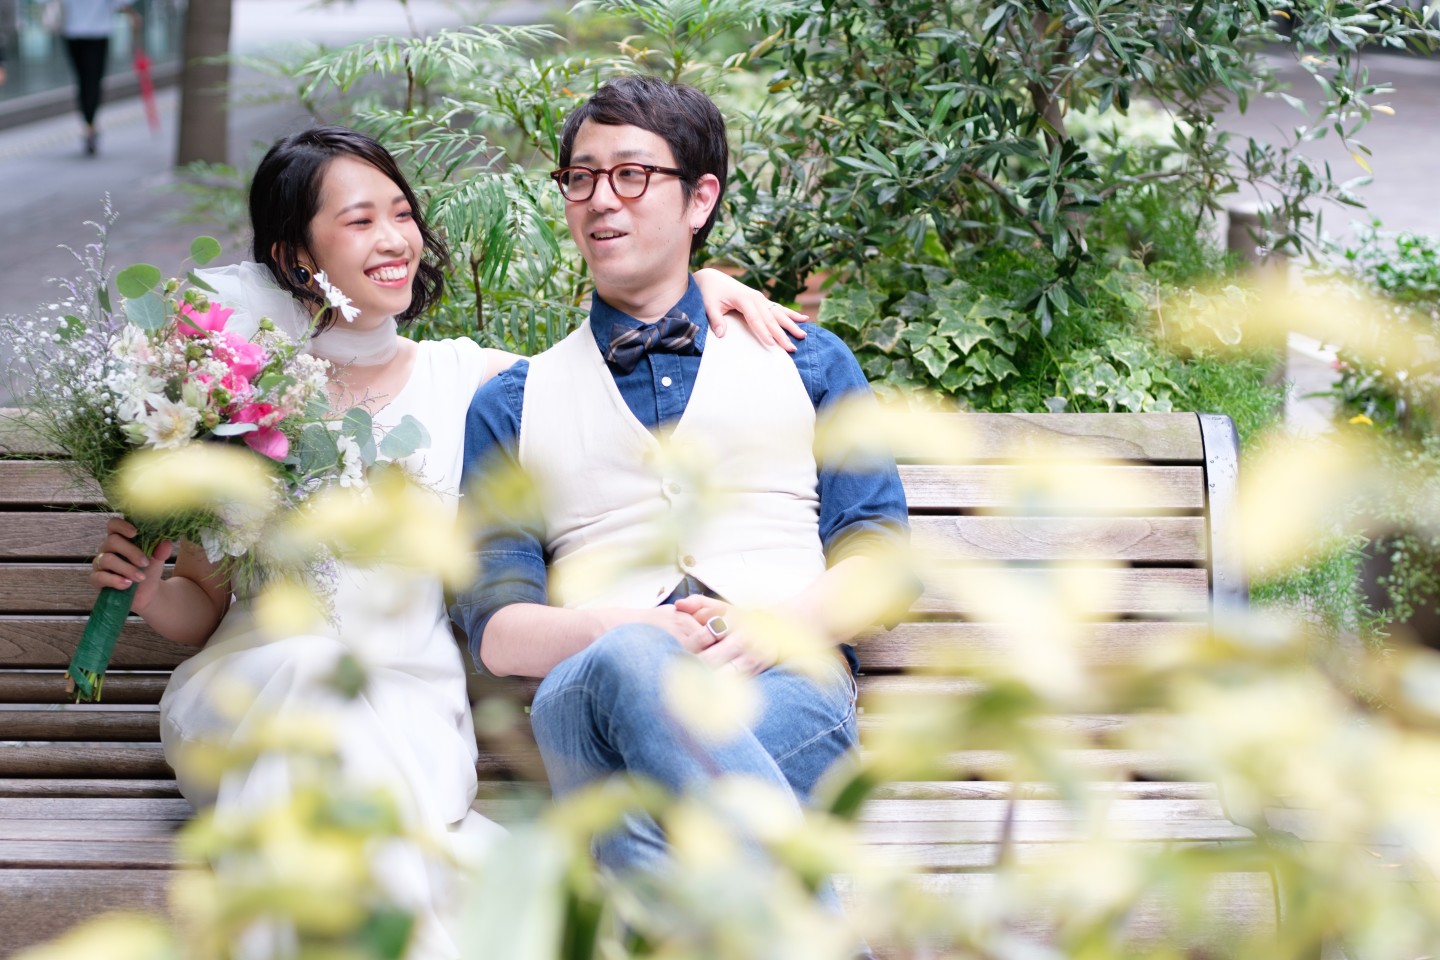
(131, 397)
(337, 299)
(239, 531)
(352, 466)
(169, 424)
(132, 344)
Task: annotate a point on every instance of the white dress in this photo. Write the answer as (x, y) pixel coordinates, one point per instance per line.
(410, 728)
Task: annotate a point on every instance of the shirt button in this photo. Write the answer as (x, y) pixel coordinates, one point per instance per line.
(673, 489)
(687, 561)
(666, 381)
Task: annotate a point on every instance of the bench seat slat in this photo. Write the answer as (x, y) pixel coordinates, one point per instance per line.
(1146, 539)
(99, 808)
(113, 725)
(89, 853)
(79, 787)
(130, 761)
(1039, 811)
(45, 483)
(965, 830)
(1234, 905)
(49, 686)
(51, 900)
(146, 761)
(49, 641)
(143, 725)
(179, 810)
(37, 535)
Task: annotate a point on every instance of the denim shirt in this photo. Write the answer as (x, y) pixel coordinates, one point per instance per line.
(860, 504)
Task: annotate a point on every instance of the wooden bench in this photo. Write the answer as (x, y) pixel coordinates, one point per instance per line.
(88, 806)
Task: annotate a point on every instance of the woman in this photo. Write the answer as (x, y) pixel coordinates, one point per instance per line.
(332, 200)
(86, 27)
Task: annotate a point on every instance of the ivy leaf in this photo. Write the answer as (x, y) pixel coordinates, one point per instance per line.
(147, 312)
(852, 306)
(964, 332)
(404, 438)
(885, 335)
(135, 281)
(936, 362)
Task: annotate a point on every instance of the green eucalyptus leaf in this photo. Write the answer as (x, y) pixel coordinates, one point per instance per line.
(204, 249)
(318, 451)
(135, 281)
(360, 427)
(195, 281)
(147, 311)
(406, 437)
(70, 328)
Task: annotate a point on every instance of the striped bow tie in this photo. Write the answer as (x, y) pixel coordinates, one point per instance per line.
(673, 334)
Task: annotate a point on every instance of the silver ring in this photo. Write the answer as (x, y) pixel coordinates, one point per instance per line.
(718, 627)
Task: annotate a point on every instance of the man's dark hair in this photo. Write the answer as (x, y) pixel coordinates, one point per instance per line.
(686, 119)
(285, 196)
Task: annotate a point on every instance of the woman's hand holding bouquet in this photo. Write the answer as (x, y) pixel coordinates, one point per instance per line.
(160, 377)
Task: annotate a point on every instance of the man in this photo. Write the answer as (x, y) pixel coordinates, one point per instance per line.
(596, 422)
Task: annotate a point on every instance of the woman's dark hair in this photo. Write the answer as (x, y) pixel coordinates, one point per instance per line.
(285, 196)
(682, 116)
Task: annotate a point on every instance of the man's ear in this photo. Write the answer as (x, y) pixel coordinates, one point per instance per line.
(703, 198)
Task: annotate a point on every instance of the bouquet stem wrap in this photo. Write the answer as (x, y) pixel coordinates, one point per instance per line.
(97, 643)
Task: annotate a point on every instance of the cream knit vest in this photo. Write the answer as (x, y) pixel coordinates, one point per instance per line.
(727, 494)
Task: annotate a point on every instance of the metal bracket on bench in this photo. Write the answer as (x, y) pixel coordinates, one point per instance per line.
(1229, 588)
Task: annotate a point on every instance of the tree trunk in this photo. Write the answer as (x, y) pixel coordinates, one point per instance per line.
(204, 84)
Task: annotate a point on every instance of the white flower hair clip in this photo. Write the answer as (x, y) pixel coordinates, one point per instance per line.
(336, 299)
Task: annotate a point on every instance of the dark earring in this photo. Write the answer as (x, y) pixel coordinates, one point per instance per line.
(302, 275)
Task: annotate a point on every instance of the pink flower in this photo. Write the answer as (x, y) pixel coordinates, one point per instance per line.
(266, 441)
(193, 323)
(242, 357)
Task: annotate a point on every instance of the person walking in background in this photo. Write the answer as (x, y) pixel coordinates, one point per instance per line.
(86, 29)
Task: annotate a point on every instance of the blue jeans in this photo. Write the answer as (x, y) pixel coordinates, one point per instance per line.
(602, 711)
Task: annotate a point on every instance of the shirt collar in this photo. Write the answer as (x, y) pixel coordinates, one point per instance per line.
(604, 318)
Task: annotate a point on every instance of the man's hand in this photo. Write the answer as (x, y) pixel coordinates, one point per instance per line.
(680, 624)
(737, 649)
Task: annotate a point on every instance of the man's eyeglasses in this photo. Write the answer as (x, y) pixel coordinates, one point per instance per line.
(628, 180)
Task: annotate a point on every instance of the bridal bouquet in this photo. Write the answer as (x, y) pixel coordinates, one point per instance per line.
(162, 373)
